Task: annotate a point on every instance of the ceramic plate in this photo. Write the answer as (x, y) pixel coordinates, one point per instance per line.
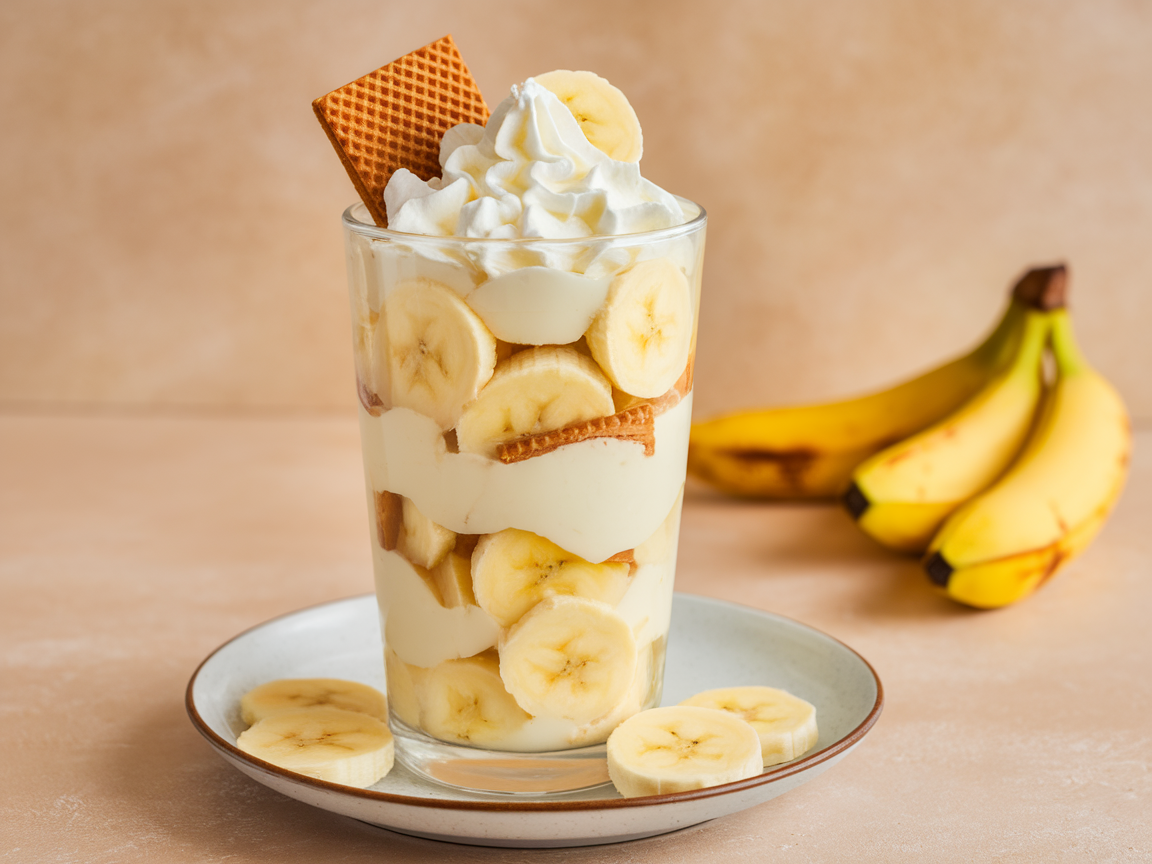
(711, 644)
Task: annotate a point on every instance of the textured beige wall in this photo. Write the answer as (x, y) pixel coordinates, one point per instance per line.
(877, 172)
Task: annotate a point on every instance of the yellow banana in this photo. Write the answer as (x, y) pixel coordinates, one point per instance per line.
(901, 495)
(1006, 542)
(810, 451)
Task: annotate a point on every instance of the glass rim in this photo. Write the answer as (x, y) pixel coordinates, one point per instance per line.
(353, 222)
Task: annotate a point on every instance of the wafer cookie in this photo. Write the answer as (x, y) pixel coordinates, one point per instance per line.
(395, 117)
(678, 391)
(628, 556)
(389, 519)
(635, 424)
(372, 403)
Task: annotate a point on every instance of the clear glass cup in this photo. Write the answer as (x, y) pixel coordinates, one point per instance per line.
(524, 414)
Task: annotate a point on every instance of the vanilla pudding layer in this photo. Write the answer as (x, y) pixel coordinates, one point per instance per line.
(594, 498)
(424, 633)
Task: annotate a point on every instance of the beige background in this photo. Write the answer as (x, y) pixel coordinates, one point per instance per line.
(179, 455)
(876, 172)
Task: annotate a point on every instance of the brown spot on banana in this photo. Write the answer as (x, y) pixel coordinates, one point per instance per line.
(793, 464)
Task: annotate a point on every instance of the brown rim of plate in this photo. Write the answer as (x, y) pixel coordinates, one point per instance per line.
(779, 772)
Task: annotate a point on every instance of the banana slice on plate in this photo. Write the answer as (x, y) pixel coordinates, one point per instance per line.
(513, 570)
(605, 116)
(330, 744)
(681, 747)
(465, 701)
(439, 352)
(533, 391)
(785, 723)
(286, 693)
(569, 658)
(642, 335)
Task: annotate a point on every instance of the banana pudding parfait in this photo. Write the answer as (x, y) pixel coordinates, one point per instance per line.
(524, 332)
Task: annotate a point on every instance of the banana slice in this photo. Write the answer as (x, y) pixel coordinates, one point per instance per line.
(439, 352)
(453, 578)
(569, 658)
(642, 335)
(402, 682)
(513, 570)
(678, 748)
(647, 685)
(422, 541)
(661, 545)
(785, 723)
(465, 701)
(330, 744)
(285, 693)
(603, 112)
(536, 390)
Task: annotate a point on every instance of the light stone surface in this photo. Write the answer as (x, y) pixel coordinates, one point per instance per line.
(133, 544)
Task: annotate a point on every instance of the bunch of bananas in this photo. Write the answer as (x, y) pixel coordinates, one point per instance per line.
(994, 473)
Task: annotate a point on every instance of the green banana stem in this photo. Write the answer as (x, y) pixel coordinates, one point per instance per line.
(1000, 345)
(1069, 360)
(1037, 330)
(1041, 289)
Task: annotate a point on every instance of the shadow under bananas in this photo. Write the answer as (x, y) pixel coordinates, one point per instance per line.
(905, 593)
(800, 533)
(808, 552)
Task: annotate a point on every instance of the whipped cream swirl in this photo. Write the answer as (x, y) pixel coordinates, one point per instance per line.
(531, 172)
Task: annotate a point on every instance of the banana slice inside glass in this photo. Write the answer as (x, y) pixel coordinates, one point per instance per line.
(642, 336)
(513, 570)
(465, 700)
(439, 352)
(569, 658)
(537, 390)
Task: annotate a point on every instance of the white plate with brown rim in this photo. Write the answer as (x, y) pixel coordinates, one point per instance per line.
(711, 643)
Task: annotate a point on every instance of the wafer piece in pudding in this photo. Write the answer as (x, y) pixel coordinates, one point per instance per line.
(395, 117)
(678, 391)
(635, 424)
(389, 519)
(628, 556)
(372, 403)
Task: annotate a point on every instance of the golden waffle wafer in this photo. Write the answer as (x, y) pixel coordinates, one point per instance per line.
(679, 390)
(634, 424)
(395, 117)
(669, 400)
